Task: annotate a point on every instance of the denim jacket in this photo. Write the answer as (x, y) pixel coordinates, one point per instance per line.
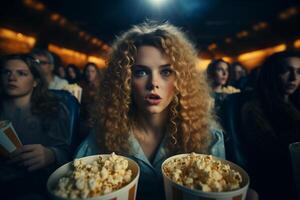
(151, 180)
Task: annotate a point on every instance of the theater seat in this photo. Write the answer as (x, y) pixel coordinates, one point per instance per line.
(230, 116)
(73, 107)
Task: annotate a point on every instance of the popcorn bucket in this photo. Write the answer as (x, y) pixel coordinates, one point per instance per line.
(9, 140)
(127, 192)
(175, 191)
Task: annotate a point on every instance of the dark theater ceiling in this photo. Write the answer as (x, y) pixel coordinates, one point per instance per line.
(227, 27)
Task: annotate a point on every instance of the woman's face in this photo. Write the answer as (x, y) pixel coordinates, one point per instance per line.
(61, 72)
(221, 73)
(152, 80)
(290, 77)
(239, 72)
(91, 73)
(71, 73)
(17, 79)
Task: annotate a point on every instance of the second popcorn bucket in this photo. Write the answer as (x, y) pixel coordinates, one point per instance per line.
(126, 192)
(176, 191)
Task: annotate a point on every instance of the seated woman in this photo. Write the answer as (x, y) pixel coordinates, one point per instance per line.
(238, 75)
(73, 74)
(271, 122)
(40, 122)
(153, 104)
(218, 75)
(90, 86)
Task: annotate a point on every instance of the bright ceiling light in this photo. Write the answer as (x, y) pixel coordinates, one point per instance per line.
(158, 2)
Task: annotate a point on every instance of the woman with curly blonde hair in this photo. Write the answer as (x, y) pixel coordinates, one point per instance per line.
(153, 104)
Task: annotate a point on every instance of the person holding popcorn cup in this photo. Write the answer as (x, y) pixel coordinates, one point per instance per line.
(39, 121)
(153, 104)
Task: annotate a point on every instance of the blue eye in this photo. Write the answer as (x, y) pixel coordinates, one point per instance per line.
(139, 73)
(166, 72)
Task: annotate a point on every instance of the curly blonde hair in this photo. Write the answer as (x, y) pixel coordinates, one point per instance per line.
(190, 113)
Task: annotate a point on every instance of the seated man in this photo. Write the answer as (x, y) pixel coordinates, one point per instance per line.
(46, 61)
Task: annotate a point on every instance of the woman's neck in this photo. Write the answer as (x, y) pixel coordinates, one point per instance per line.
(217, 88)
(19, 102)
(286, 98)
(151, 123)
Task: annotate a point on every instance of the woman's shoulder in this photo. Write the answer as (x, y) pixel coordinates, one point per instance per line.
(88, 147)
(217, 147)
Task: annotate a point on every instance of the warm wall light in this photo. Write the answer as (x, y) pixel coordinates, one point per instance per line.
(105, 48)
(255, 58)
(242, 34)
(288, 13)
(297, 44)
(212, 46)
(34, 4)
(54, 17)
(94, 41)
(12, 35)
(75, 57)
(202, 64)
(260, 26)
(99, 61)
(227, 59)
(68, 55)
(228, 40)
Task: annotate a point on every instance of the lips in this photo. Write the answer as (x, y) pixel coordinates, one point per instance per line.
(153, 99)
(11, 86)
(291, 86)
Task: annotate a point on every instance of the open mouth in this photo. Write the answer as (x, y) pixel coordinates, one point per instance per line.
(153, 99)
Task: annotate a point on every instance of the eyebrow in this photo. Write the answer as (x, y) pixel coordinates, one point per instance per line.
(161, 66)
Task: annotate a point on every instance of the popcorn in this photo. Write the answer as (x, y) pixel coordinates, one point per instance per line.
(202, 172)
(100, 177)
(75, 90)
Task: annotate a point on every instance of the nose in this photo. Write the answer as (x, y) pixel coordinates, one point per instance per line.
(153, 82)
(12, 77)
(293, 75)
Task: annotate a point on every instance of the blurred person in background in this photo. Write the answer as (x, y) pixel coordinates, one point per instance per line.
(59, 69)
(46, 62)
(41, 123)
(218, 76)
(90, 86)
(271, 121)
(73, 74)
(237, 75)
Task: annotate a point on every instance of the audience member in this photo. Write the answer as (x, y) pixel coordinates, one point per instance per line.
(46, 62)
(41, 123)
(152, 104)
(271, 122)
(73, 74)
